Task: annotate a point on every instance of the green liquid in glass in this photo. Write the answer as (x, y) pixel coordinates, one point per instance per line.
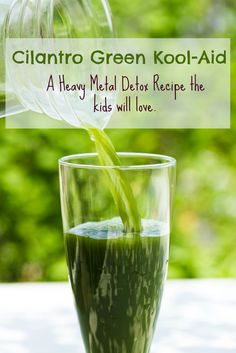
(117, 281)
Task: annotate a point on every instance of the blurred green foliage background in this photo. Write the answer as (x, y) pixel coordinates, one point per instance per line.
(203, 233)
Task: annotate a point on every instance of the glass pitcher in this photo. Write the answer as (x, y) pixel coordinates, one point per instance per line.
(47, 19)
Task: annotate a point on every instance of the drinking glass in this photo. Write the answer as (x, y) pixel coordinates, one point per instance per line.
(117, 277)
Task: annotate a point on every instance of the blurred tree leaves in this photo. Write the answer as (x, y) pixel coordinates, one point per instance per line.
(203, 236)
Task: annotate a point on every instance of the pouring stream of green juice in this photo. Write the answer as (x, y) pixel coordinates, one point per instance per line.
(118, 184)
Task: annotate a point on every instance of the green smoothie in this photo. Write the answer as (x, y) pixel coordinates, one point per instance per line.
(117, 280)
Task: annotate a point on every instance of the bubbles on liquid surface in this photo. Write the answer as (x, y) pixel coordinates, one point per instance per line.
(113, 228)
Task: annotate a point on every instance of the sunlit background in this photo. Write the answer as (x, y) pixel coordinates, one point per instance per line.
(203, 232)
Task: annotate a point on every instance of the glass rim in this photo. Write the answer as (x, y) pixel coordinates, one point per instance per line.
(164, 161)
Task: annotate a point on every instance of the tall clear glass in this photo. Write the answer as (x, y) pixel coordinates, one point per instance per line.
(117, 278)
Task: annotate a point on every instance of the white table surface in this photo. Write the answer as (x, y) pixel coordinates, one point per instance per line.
(197, 316)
